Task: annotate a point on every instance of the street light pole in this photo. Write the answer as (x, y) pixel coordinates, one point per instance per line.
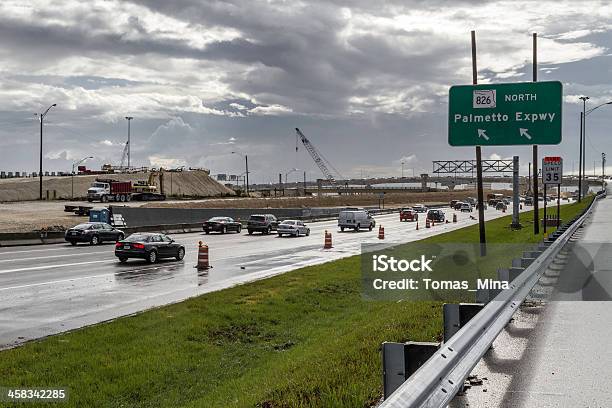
(603, 171)
(40, 175)
(583, 139)
(129, 145)
(246, 165)
(72, 175)
(580, 160)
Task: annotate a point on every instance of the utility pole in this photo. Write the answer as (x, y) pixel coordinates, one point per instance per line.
(129, 119)
(40, 174)
(402, 170)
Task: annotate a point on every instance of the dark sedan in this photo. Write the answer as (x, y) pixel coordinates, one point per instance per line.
(222, 225)
(149, 246)
(436, 215)
(94, 233)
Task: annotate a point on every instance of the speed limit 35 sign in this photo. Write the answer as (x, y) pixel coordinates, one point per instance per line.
(552, 170)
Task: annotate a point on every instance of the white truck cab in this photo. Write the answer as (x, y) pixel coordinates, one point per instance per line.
(97, 191)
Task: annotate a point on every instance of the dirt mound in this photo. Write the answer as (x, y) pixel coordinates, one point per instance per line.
(176, 184)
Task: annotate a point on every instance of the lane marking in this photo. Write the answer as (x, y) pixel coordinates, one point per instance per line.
(48, 257)
(38, 268)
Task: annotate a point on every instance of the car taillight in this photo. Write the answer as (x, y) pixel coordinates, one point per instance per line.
(138, 246)
(118, 245)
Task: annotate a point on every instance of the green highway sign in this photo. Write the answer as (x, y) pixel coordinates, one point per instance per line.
(522, 113)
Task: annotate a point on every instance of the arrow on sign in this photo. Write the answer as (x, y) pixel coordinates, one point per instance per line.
(524, 133)
(481, 133)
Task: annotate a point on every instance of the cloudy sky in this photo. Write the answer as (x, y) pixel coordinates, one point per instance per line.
(366, 81)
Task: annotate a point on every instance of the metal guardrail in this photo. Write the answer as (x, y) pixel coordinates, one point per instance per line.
(437, 381)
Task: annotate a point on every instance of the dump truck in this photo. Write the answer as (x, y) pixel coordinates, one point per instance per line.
(121, 191)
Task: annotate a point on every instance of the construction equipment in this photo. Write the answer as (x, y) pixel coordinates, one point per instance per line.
(149, 186)
(318, 158)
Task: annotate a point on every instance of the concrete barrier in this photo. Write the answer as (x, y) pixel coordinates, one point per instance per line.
(171, 221)
(141, 217)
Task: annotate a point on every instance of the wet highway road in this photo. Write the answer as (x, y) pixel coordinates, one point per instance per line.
(49, 289)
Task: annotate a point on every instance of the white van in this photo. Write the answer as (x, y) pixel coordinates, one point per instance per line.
(356, 220)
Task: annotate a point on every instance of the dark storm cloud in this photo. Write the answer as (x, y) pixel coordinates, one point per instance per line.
(54, 41)
(353, 74)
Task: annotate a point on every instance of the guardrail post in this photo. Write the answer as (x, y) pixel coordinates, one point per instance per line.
(522, 262)
(457, 315)
(401, 360)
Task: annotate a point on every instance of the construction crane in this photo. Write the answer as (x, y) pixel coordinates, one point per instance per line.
(318, 158)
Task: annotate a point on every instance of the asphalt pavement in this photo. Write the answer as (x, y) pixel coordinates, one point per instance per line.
(55, 288)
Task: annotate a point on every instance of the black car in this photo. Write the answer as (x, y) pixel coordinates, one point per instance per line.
(501, 206)
(435, 215)
(222, 225)
(264, 223)
(94, 233)
(148, 246)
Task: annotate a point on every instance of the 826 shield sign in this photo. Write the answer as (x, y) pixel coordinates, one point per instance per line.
(552, 170)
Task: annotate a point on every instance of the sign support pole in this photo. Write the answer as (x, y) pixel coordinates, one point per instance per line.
(515, 193)
(545, 221)
(481, 222)
(558, 205)
(536, 215)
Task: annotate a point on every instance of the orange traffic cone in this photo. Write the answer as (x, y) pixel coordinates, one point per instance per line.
(203, 261)
(381, 232)
(328, 240)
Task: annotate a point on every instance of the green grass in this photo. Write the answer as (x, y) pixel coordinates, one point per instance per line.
(302, 339)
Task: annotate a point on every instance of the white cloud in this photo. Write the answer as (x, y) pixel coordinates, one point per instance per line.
(270, 110)
(166, 162)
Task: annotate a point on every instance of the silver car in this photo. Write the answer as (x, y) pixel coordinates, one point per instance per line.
(292, 227)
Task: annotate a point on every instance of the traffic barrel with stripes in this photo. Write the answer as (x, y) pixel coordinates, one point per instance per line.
(381, 232)
(203, 261)
(328, 240)
(427, 224)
